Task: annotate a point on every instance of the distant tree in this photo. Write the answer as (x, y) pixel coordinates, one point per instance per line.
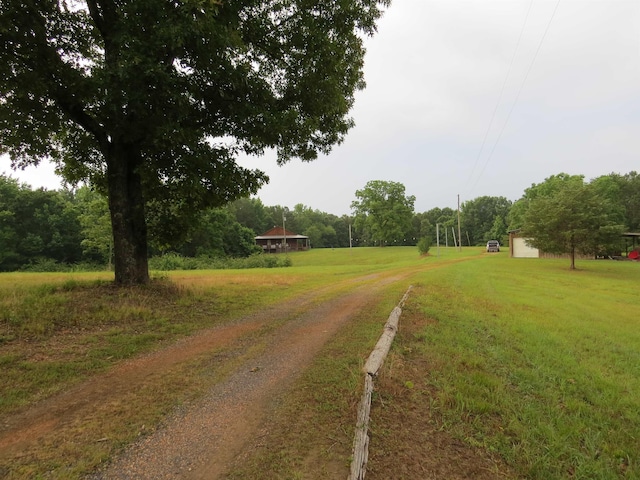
(218, 235)
(478, 217)
(341, 227)
(251, 213)
(439, 220)
(314, 233)
(276, 214)
(36, 224)
(152, 101)
(383, 211)
(498, 231)
(321, 227)
(10, 193)
(421, 228)
(630, 198)
(623, 190)
(329, 237)
(574, 219)
(97, 241)
(321, 236)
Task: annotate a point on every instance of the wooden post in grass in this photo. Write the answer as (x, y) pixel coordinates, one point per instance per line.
(361, 437)
(371, 367)
(380, 351)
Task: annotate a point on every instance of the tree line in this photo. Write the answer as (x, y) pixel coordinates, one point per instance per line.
(41, 228)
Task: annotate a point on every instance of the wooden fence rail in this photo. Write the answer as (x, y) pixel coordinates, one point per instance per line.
(371, 368)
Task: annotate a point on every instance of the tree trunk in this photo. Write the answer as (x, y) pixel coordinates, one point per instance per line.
(126, 204)
(573, 258)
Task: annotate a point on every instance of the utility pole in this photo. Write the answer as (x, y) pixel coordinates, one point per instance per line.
(350, 239)
(438, 237)
(284, 232)
(459, 237)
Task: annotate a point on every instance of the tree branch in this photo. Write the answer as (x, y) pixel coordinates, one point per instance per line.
(59, 76)
(94, 11)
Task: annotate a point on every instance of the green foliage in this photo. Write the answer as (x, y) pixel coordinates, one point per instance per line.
(251, 213)
(575, 219)
(152, 101)
(424, 244)
(498, 231)
(484, 218)
(383, 213)
(622, 190)
(427, 223)
(174, 261)
(97, 242)
(36, 224)
(550, 186)
(217, 234)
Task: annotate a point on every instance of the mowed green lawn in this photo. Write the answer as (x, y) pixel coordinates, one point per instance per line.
(527, 359)
(536, 362)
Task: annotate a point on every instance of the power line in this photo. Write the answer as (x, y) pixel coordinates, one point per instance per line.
(518, 94)
(486, 134)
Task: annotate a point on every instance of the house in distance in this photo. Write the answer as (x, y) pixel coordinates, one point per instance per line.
(279, 240)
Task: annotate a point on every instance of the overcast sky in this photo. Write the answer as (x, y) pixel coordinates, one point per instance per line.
(476, 97)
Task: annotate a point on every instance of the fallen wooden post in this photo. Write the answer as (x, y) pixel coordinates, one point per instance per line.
(371, 368)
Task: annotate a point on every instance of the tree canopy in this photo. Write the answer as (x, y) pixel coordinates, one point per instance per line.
(484, 218)
(152, 101)
(550, 186)
(36, 225)
(383, 212)
(573, 219)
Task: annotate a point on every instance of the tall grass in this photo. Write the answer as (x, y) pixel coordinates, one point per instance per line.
(56, 328)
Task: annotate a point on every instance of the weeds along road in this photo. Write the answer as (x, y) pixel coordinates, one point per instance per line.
(199, 441)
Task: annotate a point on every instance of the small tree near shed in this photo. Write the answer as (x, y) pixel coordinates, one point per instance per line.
(573, 220)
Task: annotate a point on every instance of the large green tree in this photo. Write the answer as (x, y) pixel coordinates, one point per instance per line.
(479, 218)
(152, 100)
(550, 186)
(573, 219)
(383, 212)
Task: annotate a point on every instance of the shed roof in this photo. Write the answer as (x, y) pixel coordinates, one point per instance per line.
(279, 232)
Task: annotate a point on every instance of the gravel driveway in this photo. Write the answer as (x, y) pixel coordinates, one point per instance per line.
(202, 440)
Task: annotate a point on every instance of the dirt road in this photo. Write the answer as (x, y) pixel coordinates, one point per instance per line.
(200, 441)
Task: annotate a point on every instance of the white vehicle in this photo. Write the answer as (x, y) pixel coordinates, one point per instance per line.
(493, 246)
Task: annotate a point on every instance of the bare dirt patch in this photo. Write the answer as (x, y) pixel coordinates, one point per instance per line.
(202, 442)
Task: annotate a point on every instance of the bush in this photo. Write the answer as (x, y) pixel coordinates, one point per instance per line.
(173, 261)
(42, 264)
(424, 244)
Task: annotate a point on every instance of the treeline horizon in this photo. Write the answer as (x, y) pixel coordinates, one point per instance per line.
(43, 229)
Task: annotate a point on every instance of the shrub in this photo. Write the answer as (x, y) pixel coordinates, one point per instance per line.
(174, 261)
(424, 244)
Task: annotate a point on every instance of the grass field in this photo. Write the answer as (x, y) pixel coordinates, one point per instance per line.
(538, 363)
(522, 359)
